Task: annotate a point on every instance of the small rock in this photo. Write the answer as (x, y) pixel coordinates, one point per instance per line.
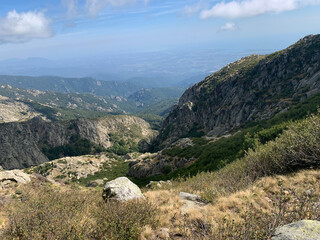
(302, 230)
(121, 189)
(190, 202)
(189, 197)
(309, 192)
(95, 183)
(163, 233)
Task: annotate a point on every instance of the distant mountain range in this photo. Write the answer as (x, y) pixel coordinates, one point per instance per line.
(148, 70)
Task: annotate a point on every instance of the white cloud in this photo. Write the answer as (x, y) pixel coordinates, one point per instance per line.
(22, 27)
(250, 8)
(229, 26)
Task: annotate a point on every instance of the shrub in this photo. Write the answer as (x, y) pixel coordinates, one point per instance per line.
(296, 148)
(49, 213)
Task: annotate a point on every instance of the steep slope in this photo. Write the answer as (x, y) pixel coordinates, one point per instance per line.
(251, 89)
(23, 144)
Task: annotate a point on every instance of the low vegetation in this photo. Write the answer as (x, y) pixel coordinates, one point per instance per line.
(77, 147)
(117, 169)
(44, 212)
(214, 155)
(252, 196)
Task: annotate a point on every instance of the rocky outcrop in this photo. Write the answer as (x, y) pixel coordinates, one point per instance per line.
(121, 189)
(21, 143)
(70, 169)
(15, 111)
(159, 163)
(253, 88)
(302, 230)
(15, 176)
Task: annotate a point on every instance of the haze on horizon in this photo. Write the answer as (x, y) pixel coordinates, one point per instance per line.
(143, 38)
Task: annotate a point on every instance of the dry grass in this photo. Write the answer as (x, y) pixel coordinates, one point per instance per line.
(46, 211)
(252, 213)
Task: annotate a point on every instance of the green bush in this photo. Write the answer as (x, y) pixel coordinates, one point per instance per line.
(77, 146)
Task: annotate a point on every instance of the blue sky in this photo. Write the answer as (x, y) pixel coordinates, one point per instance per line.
(69, 28)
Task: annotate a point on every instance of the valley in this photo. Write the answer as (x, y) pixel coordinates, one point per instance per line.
(235, 156)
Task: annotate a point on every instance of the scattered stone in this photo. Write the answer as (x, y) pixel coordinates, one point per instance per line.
(302, 230)
(121, 189)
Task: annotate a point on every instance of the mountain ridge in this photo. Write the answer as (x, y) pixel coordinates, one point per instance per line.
(251, 89)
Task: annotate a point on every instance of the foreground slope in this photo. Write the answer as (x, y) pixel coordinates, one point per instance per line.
(251, 89)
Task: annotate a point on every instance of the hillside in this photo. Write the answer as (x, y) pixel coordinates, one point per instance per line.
(65, 106)
(37, 141)
(272, 185)
(71, 85)
(252, 89)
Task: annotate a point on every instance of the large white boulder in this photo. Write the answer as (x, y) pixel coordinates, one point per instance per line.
(121, 189)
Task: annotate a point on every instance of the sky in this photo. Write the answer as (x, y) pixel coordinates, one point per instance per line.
(61, 29)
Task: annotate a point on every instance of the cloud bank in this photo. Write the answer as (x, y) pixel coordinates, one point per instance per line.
(22, 27)
(251, 8)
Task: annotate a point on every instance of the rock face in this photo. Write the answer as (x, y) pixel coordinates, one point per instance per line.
(302, 230)
(253, 88)
(21, 143)
(15, 176)
(14, 111)
(121, 189)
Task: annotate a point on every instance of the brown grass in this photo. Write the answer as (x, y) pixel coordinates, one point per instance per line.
(49, 212)
(252, 213)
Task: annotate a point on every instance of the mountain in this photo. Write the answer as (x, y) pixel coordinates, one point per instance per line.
(65, 106)
(55, 105)
(75, 85)
(37, 141)
(251, 89)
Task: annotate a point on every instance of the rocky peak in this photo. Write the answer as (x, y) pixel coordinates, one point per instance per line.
(253, 88)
